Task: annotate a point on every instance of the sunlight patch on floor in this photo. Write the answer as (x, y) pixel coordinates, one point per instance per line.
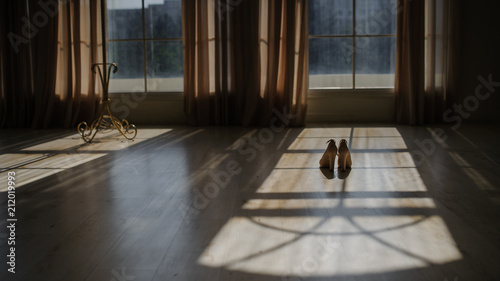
(313, 246)
(326, 133)
(380, 218)
(49, 158)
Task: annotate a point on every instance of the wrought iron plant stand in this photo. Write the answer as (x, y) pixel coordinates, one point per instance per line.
(106, 120)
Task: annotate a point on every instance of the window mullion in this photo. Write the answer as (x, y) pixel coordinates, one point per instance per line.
(144, 46)
(353, 44)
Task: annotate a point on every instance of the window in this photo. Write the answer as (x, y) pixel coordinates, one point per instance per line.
(352, 43)
(145, 40)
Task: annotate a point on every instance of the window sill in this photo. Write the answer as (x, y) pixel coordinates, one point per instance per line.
(350, 105)
(151, 96)
(358, 93)
(324, 105)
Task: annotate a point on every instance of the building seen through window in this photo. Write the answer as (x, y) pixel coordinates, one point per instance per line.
(352, 43)
(146, 43)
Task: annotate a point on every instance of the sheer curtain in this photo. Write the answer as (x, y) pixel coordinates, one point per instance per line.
(45, 65)
(77, 92)
(426, 63)
(244, 60)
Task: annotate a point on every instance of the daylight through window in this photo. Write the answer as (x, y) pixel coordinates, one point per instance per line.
(352, 43)
(145, 40)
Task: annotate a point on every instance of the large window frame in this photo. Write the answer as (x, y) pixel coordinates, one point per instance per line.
(145, 40)
(353, 36)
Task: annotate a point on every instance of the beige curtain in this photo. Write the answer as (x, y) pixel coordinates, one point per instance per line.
(426, 63)
(244, 60)
(77, 92)
(442, 47)
(45, 74)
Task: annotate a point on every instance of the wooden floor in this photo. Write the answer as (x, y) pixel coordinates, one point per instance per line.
(198, 203)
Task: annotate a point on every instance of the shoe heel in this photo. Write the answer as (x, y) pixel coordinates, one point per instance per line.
(344, 156)
(328, 159)
(343, 162)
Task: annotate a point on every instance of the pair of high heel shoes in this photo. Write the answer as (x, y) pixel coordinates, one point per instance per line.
(328, 159)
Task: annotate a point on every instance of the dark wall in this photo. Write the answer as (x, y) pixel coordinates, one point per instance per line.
(480, 56)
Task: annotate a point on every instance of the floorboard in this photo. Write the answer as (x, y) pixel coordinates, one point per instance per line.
(233, 203)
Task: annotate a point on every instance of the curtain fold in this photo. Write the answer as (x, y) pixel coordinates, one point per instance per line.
(243, 60)
(16, 73)
(46, 51)
(44, 66)
(426, 62)
(78, 91)
(409, 76)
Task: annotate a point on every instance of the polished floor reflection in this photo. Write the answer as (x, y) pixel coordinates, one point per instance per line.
(204, 203)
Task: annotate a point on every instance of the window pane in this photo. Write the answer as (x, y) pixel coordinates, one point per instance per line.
(165, 66)
(376, 17)
(129, 57)
(330, 62)
(124, 19)
(330, 17)
(163, 19)
(375, 62)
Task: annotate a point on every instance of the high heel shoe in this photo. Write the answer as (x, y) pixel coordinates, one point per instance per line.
(344, 156)
(328, 159)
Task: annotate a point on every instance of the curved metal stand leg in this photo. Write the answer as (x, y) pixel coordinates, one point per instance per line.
(123, 126)
(88, 133)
